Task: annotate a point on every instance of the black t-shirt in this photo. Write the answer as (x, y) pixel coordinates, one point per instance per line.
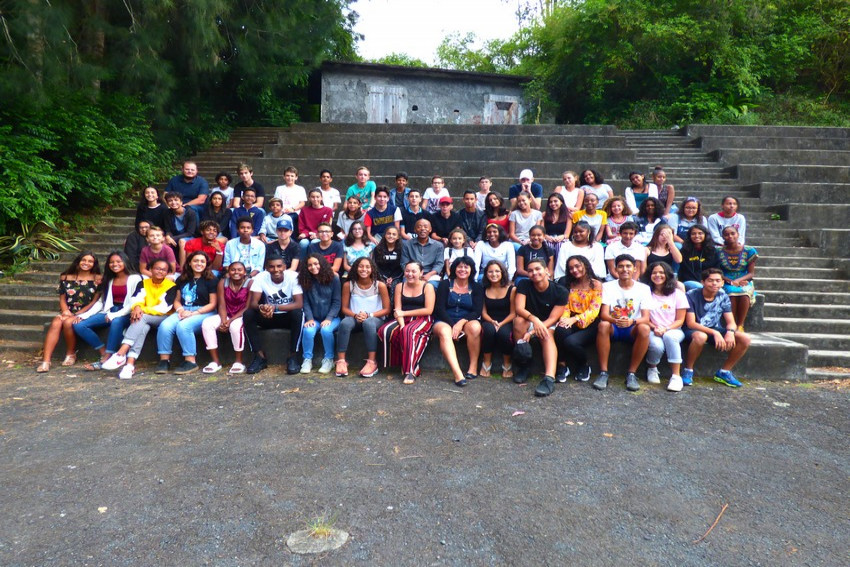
(388, 262)
(528, 254)
(291, 252)
(443, 226)
(258, 190)
(408, 219)
(197, 292)
(540, 304)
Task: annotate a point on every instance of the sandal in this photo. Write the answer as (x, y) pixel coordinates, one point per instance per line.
(43, 367)
(92, 366)
(485, 370)
(211, 368)
(237, 368)
(409, 379)
(369, 369)
(507, 371)
(70, 360)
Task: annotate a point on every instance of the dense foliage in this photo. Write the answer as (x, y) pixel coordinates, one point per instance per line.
(99, 95)
(645, 63)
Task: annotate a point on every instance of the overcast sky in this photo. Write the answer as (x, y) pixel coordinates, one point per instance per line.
(416, 27)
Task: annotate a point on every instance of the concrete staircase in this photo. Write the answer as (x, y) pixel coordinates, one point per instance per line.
(796, 276)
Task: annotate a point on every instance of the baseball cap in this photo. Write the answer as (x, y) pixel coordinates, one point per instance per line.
(446, 199)
(526, 174)
(284, 223)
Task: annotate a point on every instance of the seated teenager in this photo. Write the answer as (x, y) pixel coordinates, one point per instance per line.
(425, 250)
(522, 219)
(662, 248)
(497, 318)
(533, 249)
(457, 310)
(405, 218)
(151, 208)
(497, 247)
(119, 281)
(624, 317)
(207, 243)
(626, 245)
(272, 218)
(596, 217)
(710, 320)
(365, 305)
(276, 302)
(156, 249)
(526, 185)
(194, 302)
(247, 210)
(181, 222)
(215, 209)
(579, 324)
(459, 246)
(285, 246)
(137, 240)
(222, 182)
(357, 245)
(738, 263)
(310, 217)
(246, 179)
(348, 215)
(322, 300)
(666, 318)
(727, 216)
(581, 243)
(471, 219)
(406, 336)
(382, 215)
(330, 195)
(698, 254)
(648, 217)
(444, 221)
(540, 303)
(387, 257)
(250, 251)
(232, 301)
(332, 250)
(153, 301)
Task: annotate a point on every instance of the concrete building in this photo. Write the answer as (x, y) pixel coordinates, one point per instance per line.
(369, 93)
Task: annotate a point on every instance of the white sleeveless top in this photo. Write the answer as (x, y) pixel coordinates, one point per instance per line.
(368, 300)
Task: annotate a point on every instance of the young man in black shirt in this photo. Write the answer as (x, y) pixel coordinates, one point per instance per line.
(540, 303)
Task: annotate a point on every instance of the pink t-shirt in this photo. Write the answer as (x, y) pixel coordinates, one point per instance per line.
(147, 256)
(662, 312)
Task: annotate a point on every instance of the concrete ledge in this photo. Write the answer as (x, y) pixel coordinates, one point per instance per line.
(459, 139)
(697, 130)
(769, 357)
(753, 173)
(279, 156)
(720, 142)
(834, 242)
(782, 193)
(526, 129)
(781, 157)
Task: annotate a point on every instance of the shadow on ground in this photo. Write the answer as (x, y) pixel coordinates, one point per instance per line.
(198, 471)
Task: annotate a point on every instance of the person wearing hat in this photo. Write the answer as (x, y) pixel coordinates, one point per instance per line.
(526, 183)
(444, 221)
(284, 246)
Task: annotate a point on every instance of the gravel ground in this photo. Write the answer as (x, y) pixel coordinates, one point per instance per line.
(219, 471)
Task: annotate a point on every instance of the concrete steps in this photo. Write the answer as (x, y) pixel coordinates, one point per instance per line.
(805, 300)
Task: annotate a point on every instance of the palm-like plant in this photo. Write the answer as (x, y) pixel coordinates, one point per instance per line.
(36, 241)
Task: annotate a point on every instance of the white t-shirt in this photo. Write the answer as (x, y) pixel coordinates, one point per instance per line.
(626, 302)
(636, 250)
(291, 196)
(594, 253)
(277, 293)
(431, 199)
(330, 197)
(451, 254)
(662, 310)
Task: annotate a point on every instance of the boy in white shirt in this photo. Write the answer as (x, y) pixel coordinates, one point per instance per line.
(432, 195)
(626, 245)
(293, 197)
(624, 317)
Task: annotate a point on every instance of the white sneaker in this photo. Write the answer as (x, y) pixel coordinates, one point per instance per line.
(127, 372)
(307, 366)
(327, 366)
(675, 384)
(114, 362)
(653, 376)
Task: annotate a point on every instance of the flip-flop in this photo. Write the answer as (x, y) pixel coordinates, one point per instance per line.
(93, 366)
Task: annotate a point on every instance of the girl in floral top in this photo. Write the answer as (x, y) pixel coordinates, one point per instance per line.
(576, 330)
(79, 290)
(738, 263)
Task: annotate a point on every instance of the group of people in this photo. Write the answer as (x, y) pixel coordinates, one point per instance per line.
(581, 268)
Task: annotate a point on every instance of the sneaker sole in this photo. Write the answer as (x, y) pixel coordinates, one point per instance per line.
(722, 381)
(182, 372)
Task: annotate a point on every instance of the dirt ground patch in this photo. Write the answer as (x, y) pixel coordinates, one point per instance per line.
(215, 471)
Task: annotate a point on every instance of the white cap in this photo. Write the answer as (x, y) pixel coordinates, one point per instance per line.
(526, 173)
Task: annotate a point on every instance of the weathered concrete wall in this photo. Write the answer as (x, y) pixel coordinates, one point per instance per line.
(347, 98)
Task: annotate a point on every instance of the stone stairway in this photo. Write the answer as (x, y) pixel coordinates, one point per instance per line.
(787, 271)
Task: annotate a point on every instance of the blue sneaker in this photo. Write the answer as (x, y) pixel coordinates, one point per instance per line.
(688, 377)
(726, 377)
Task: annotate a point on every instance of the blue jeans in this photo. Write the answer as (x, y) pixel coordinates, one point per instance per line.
(85, 330)
(308, 338)
(185, 330)
(689, 285)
